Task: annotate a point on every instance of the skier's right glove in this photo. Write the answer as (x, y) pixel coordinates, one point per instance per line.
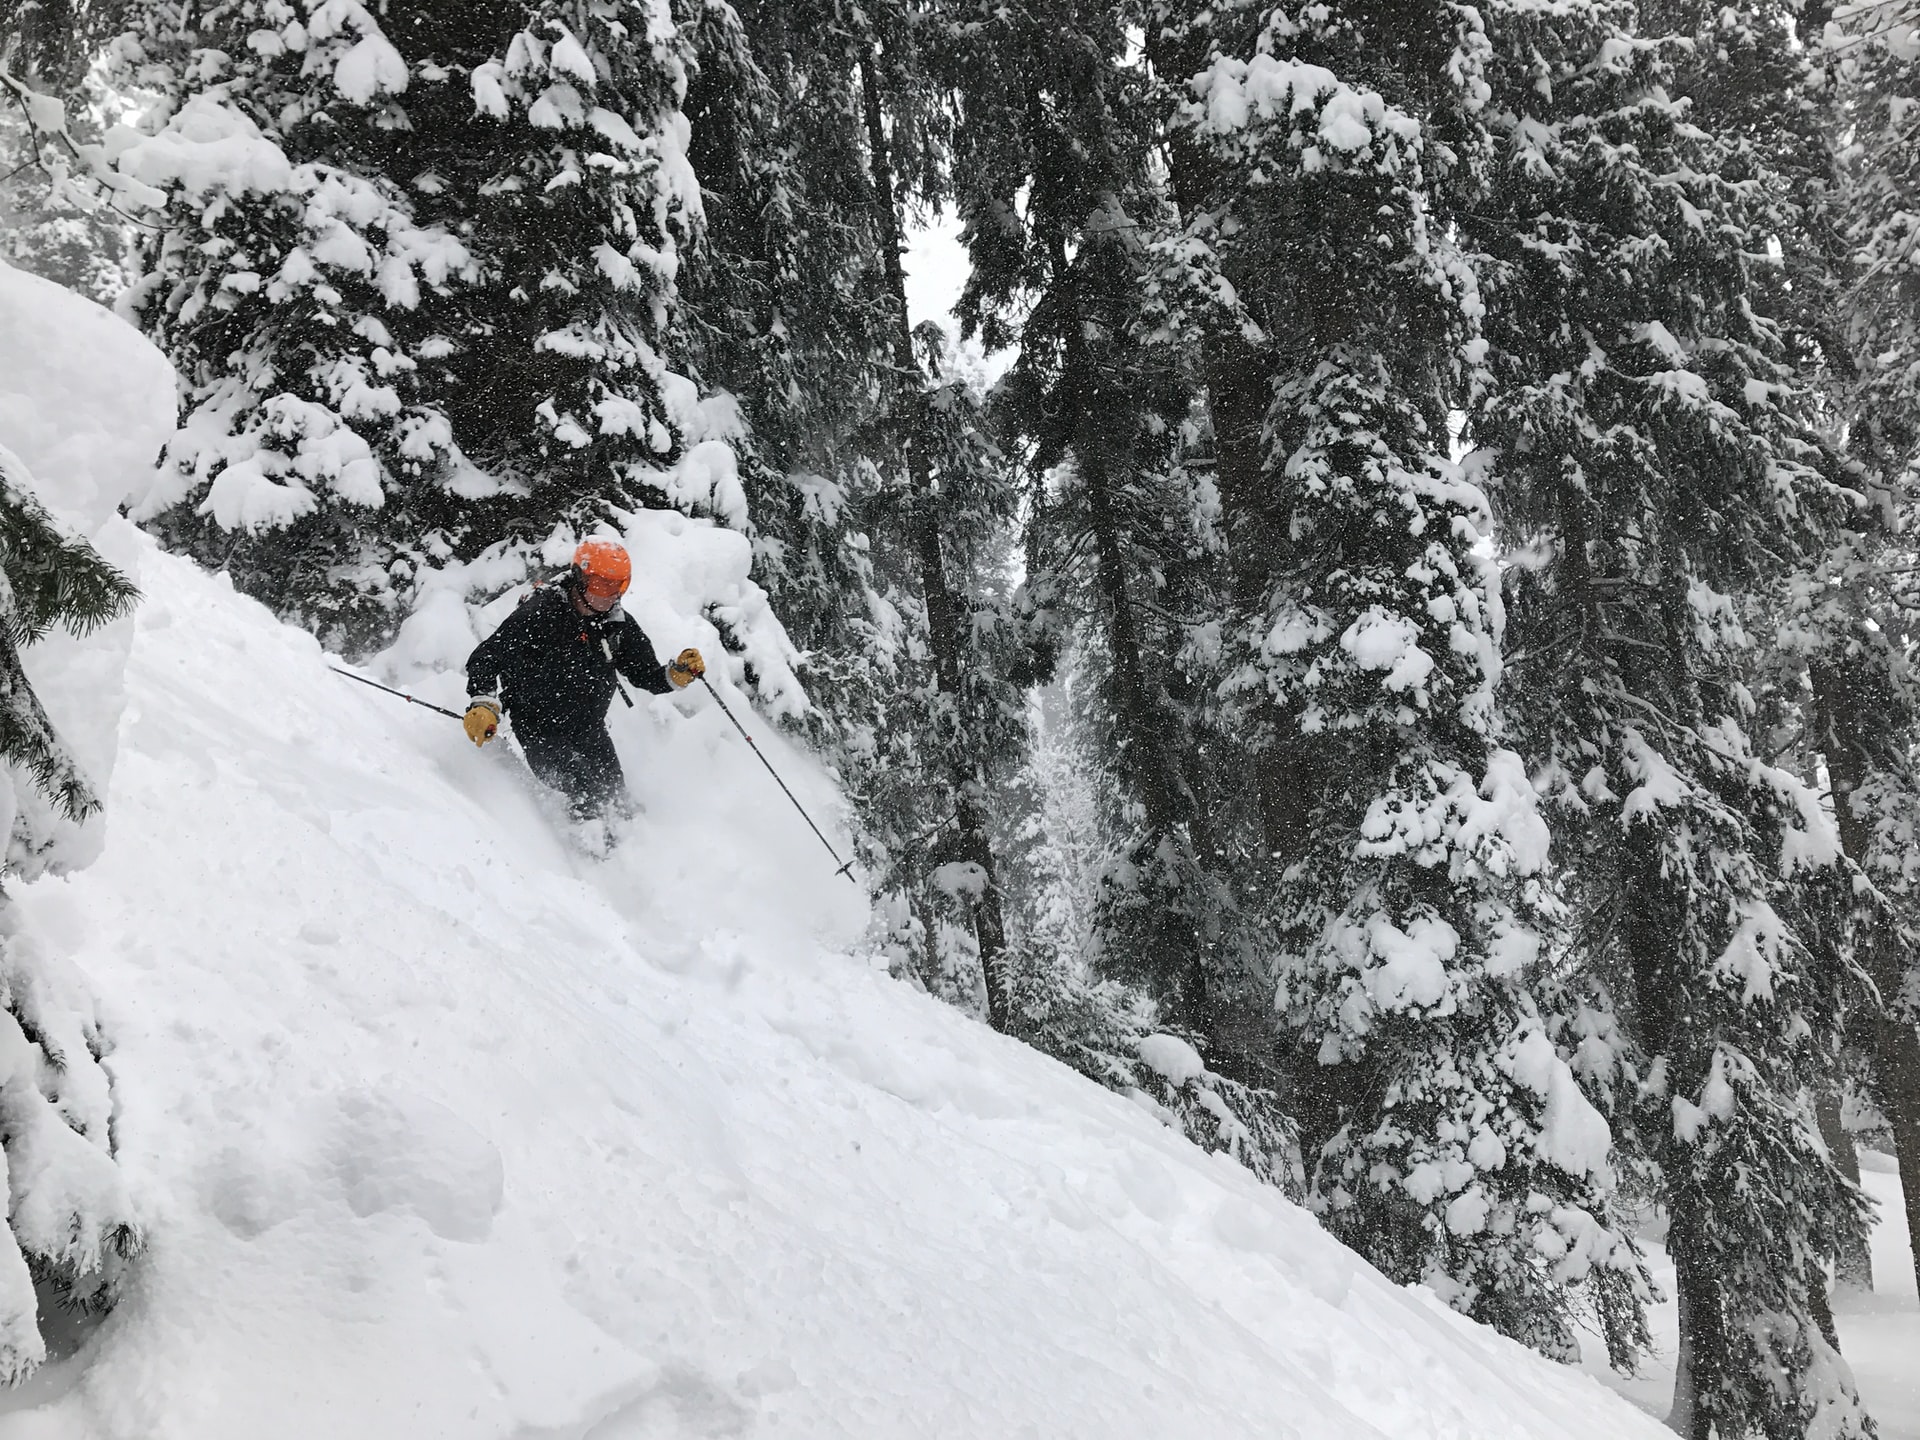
(482, 720)
(686, 668)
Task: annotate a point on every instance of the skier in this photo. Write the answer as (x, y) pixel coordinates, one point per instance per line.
(553, 666)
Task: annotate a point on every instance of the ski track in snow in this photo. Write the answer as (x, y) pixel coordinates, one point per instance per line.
(441, 1130)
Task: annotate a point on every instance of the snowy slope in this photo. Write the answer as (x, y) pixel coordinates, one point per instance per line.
(1880, 1332)
(443, 1131)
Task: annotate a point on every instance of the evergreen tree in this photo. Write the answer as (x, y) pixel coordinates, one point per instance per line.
(1775, 108)
(777, 291)
(953, 501)
(786, 302)
(1051, 110)
(1409, 901)
(1875, 52)
(1866, 592)
(788, 309)
(57, 220)
(69, 1220)
(1064, 998)
(39, 231)
(1657, 475)
(419, 276)
(52, 579)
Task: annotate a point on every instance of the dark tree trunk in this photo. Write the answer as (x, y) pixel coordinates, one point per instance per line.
(1849, 748)
(1898, 1066)
(1702, 1347)
(1821, 1304)
(1653, 915)
(944, 619)
(1648, 922)
(1853, 1262)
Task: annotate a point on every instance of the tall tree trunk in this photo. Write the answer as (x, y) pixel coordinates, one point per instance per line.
(1647, 924)
(944, 620)
(1898, 1068)
(1853, 1262)
(1159, 777)
(1701, 1344)
(1848, 749)
(1821, 1304)
(1164, 791)
(1653, 915)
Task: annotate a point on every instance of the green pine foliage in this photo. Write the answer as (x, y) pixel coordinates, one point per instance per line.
(1095, 410)
(39, 231)
(55, 217)
(69, 1224)
(1875, 57)
(419, 270)
(1658, 477)
(1409, 900)
(1859, 605)
(51, 578)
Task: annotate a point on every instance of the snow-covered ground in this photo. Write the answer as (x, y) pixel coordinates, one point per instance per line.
(441, 1130)
(1879, 1332)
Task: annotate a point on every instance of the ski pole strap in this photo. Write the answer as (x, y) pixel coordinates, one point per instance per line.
(606, 649)
(845, 867)
(401, 694)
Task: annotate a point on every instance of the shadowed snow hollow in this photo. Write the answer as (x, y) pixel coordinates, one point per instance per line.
(443, 1131)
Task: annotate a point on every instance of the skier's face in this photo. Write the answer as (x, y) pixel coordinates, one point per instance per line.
(586, 601)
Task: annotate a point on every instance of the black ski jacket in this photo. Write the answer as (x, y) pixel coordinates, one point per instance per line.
(554, 668)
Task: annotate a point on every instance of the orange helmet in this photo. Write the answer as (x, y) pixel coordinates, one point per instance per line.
(604, 568)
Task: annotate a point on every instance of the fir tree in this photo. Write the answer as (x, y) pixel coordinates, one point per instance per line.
(788, 310)
(1050, 109)
(785, 296)
(1865, 593)
(69, 1224)
(1409, 897)
(1657, 472)
(954, 502)
(58, 218)
(1063, 996)
(51, 579)
(420, 278)
(39, 231)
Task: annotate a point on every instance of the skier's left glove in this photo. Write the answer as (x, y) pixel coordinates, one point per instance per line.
(686, 668)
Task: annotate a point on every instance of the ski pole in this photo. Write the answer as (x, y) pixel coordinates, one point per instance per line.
(428, 704)
(846, 868)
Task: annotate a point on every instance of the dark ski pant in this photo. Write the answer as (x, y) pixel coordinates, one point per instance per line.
(581, 765)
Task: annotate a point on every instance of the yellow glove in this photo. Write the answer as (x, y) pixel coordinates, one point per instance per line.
(686, 668)
(482, 720)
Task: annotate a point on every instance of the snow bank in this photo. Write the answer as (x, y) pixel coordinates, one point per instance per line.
(84, 406)
(85, 400)
(446, 1132)
(85, 403)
